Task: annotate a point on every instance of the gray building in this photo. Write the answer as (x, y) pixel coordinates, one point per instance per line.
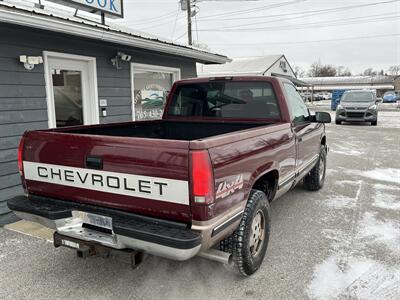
(58, 70)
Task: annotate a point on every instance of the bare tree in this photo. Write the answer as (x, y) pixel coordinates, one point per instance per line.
(369, 72)
(343, 71)
(317, 69)
(339, 70)
(299, 72)
(346, 72)
(394, 70)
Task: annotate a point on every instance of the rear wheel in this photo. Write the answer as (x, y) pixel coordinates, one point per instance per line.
(337, 122)
(250, 240)
(315, 179)
(374, 123)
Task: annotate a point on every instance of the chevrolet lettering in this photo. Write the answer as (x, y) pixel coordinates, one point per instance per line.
(198, 182)
(109, 182)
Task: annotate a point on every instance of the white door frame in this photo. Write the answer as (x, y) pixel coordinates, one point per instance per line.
(176, 75)
(90, 107)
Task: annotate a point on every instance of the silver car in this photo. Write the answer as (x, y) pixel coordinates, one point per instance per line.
(357, 106)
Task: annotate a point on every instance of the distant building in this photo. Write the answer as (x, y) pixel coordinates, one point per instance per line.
(397, 84)
(268, 65)
(379, 83)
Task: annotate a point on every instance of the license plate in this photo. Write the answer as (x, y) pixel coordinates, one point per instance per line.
(70, 244)
(95, 220)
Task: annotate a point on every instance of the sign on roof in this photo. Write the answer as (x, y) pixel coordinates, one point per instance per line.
(113, 8)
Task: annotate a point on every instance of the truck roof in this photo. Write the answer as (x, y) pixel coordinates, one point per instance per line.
(234, 78)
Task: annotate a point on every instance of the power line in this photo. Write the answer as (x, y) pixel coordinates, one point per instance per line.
(336, 22)
(176, 19)
(317, 23)
(246, 11)
(152, 19)
(328, 10)
(160, 24)
(181, 36)
(307, 42)
(197, 29)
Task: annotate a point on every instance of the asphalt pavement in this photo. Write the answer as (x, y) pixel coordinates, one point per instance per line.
(342, 242)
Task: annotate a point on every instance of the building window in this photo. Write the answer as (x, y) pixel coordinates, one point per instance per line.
(282, 65)
(150, 87)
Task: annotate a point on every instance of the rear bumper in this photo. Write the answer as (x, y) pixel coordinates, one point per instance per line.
(128, 231)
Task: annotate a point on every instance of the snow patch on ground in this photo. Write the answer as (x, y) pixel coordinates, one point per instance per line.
(379, 186)
(342, 201)
(348, 152)
(348, 148)
(347, 277)
(346, 182)
(339, 202)
(376, 231)
(387, 201)
(388, 174)
(349, 273)
(331, 171)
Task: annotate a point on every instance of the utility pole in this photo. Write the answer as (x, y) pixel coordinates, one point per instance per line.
(189, 22)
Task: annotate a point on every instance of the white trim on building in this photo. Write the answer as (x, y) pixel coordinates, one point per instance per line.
(84, 64)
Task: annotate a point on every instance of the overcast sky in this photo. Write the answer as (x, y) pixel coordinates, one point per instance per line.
(358, 34)
(294, 28)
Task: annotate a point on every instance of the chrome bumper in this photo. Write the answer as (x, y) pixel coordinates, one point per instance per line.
(110, 228)
(72, 227)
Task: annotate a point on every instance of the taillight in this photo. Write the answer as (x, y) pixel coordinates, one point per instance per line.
(202, 178)
(20, 156)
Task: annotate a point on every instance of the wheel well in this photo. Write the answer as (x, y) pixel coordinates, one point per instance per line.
(268, 183)
(323, 141)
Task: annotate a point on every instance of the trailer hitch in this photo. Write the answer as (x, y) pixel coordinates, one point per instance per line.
(85, 249)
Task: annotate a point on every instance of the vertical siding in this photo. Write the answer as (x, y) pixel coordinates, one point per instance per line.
(23, 96)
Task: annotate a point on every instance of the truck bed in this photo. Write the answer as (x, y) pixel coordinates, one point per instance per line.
(161, 129)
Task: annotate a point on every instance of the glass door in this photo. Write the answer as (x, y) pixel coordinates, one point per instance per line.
(67, 91)
(71, 92)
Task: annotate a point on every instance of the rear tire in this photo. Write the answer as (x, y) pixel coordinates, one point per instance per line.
(315, 179)
(338, 122)
(250, 240)
(374, 123)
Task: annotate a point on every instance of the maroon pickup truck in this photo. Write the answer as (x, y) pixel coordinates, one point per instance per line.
(197, 182)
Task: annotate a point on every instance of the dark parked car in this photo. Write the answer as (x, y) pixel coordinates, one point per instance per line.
(357, 106)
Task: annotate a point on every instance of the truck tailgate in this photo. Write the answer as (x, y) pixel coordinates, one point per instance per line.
(146, 176)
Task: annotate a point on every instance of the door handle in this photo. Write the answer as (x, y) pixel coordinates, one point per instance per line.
(94, 162)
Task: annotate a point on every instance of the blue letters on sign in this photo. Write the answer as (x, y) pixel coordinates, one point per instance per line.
(102, 4)
(112, 6)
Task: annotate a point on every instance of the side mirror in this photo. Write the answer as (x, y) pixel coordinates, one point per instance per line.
(322, 117)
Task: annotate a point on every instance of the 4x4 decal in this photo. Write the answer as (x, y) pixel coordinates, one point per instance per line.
(225, 188)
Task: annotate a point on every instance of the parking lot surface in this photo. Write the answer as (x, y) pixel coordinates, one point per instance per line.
(342, 242)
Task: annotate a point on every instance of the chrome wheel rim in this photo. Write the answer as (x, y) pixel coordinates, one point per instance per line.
(257, 233)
